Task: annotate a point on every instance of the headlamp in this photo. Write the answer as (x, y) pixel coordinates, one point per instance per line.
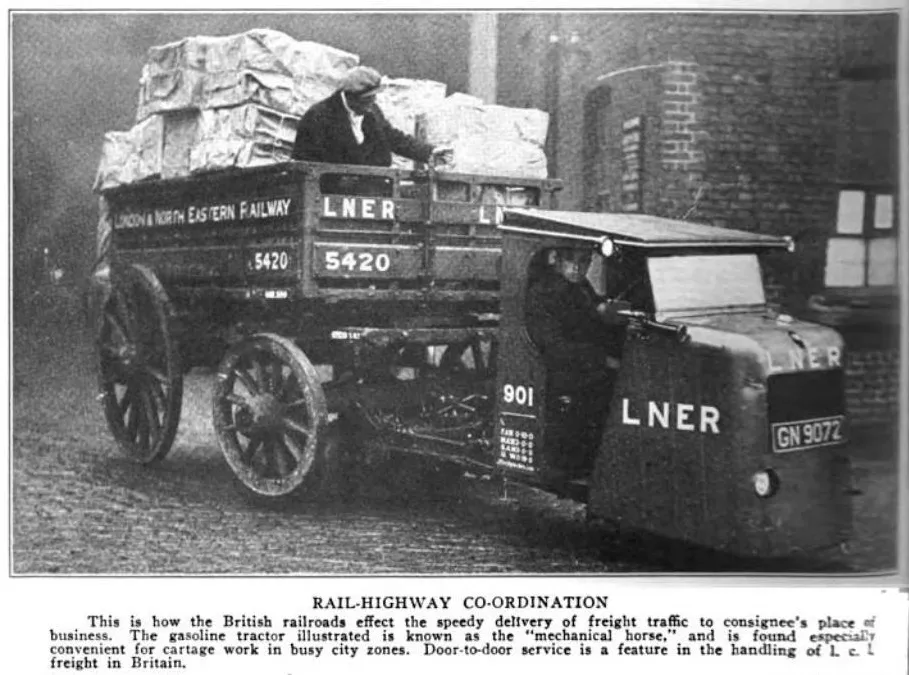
(765, 483)
(607, 247)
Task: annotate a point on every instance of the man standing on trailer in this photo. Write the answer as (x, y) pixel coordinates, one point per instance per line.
(349, 128)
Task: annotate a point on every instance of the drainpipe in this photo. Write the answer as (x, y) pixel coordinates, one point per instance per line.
(552, 91)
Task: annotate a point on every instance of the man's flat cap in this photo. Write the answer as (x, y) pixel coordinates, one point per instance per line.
(362, 81)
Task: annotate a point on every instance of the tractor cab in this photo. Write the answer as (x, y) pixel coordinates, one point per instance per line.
(695, 411)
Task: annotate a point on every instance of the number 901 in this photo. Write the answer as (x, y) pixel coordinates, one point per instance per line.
(520, 394)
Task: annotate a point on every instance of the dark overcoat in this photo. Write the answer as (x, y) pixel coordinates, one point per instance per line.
(324, 135)
(562, 321)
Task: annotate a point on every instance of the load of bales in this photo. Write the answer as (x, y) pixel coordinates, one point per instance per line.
(209, 103)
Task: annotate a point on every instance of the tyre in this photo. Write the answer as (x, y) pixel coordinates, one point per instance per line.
(270, 415)
(139, 376)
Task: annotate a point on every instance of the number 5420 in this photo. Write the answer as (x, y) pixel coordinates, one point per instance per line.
(273, 261)
(365, 261)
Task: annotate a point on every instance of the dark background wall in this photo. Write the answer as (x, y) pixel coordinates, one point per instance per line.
(75, 76)
(770, 138)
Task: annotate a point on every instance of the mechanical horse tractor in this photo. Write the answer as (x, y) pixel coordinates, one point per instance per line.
(389, 306)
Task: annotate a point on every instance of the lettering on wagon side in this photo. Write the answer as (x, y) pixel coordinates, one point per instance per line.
(358, 208)
(198, 214)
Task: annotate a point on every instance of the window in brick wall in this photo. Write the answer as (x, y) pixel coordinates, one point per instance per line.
(862, 253)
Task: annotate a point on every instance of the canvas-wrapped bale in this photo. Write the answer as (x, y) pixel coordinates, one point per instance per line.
(162, 143)
(180, 129)
(148, 141)
(488, 139)
(402, 100)
(230, 88)
(169, 91)
(242, 136)
(462, 115)
(321, 66)
(497, 157)
(131, 156)
(259, 49)
(174, 144)
(117, 165)
(260, 66)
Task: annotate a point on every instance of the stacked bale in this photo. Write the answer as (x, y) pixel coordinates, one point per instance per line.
(245, 135)
(218, 102)
(402, 101)
(488, 139)
(208, 103)
(118, 161)
(264, 67)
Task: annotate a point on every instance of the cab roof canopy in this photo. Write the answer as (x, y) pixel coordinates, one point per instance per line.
(635, 230)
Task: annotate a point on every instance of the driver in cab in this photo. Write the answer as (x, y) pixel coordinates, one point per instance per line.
(579, 335)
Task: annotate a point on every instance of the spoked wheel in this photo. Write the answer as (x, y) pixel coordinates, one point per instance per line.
(140, 376)
(461, 407)
(269, 411)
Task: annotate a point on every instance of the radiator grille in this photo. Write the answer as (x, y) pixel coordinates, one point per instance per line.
(805, 395)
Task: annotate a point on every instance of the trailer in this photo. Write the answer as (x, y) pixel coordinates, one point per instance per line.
(389, 308)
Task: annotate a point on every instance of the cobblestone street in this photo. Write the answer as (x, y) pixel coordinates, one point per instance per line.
(79, 506)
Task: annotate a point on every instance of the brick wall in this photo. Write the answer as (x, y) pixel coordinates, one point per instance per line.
(868, 40)
(682, 158)
(746, 120)
(679, 112)
(872, 388)
(756, 100)
(770, 111)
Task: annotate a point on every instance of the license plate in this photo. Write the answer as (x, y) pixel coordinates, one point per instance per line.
(270, 260)
(804, 434)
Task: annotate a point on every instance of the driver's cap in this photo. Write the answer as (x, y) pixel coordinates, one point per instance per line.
(362, 82)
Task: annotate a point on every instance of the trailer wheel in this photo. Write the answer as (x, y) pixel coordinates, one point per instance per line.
(140, 376)
(269, 411)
